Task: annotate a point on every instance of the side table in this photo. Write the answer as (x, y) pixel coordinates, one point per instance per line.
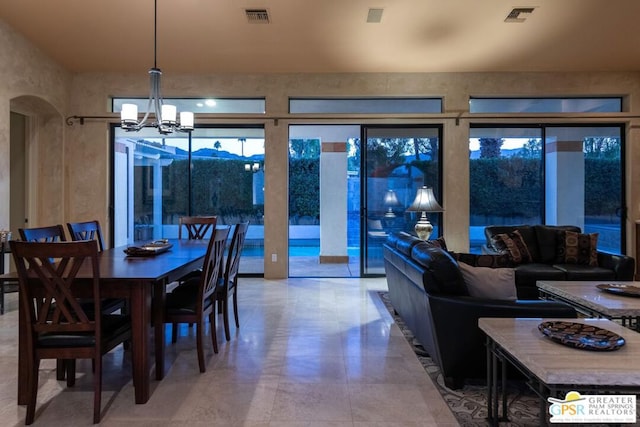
(553, 369)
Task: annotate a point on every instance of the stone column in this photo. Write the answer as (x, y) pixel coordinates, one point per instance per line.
(333, 203)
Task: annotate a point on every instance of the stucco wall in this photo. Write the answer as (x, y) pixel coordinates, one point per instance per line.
(33, 85)
(86, 147)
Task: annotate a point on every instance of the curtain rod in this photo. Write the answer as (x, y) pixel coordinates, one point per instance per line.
(70, 121)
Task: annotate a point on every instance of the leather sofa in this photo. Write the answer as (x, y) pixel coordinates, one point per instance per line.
(427, 291)
(542, 245)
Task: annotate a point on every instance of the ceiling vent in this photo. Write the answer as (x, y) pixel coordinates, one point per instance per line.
(516, 14)
(374, 16)
(257, 16)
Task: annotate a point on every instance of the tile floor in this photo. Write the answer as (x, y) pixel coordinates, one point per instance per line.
(309, 352)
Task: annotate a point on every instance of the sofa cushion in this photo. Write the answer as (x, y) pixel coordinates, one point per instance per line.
(528, 274)
(577, 248)
(441, 271)
(512, 244)
(546, 235)
(483, 260)
(584, 272)
(493, 283)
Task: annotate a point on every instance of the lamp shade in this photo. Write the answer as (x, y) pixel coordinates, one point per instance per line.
(186, 120)
(425, 201)
(129, 113)
(391, 199)
(168, 114)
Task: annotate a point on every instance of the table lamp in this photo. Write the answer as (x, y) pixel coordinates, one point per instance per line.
(424, 202)
(391, 201)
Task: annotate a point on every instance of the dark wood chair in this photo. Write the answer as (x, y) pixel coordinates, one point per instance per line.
(87, 230)
(228, 283)
(58, 327)
(195, 300)
(91, 230)
(197, 227)
(52, 233)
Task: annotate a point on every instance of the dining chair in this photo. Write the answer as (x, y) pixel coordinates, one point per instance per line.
(58, 327)
(196, 299)
(91, 230)
(87, 230)
(197, 227)
(52, 233)
(55, 233)
(228, 282)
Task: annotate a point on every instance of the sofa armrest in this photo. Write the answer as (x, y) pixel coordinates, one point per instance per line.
(459, 340)
(624, 266)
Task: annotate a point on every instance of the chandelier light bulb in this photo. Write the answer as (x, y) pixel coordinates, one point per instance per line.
(168, 115)
(186, 120)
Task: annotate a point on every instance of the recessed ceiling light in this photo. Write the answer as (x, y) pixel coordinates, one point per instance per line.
(374, 16)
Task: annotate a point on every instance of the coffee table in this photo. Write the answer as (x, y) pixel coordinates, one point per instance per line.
(553, 369)
(585, 297)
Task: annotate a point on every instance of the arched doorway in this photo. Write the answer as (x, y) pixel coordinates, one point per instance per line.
(36, 184)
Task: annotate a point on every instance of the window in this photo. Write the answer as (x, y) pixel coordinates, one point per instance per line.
(210, 171)
(200, 105)
(558, 175)
(365, 105)
(545, 105)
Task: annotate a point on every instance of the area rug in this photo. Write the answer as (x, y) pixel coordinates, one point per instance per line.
(469, 404)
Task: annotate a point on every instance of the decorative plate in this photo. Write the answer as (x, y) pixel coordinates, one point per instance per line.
(620, 289)
(149, 249)
(579, 335)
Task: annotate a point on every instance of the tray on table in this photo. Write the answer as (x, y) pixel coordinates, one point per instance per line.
(149, 249)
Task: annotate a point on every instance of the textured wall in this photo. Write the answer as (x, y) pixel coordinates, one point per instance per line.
(33, 85)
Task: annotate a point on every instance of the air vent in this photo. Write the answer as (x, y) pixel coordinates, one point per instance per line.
(257, 16)
(374, 16)
(515, 14)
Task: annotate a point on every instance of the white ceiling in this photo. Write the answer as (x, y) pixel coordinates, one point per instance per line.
(210, 36)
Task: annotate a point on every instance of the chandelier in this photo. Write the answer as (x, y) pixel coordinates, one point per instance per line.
(165, 114)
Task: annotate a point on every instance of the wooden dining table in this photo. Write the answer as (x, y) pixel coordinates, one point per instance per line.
(142, 280)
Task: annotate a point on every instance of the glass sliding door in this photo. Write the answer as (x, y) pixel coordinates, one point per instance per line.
(584, 181)
(210, 171)
(505, 179)
(556, 175)
(324, 201)
(396, 160)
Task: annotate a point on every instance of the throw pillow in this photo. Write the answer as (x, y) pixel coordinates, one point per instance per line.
(437, 243)
(512, 244)
(493, 283)
(577, 248)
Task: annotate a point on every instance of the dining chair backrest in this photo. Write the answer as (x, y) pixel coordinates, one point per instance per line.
(198, 227)
(212, 267)
(87, 230)
(52, 267)
(52, 233)
(233, 254)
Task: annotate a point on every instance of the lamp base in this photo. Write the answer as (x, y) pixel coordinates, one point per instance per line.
(423, 228)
